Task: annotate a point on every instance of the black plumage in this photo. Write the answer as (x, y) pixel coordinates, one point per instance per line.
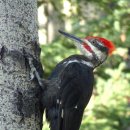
(67, 93)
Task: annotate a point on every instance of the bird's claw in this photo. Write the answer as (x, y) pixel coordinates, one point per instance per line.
(31, 76)
(34, 72)
(29, 62)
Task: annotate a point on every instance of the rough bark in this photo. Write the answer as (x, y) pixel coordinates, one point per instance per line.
(19, 97)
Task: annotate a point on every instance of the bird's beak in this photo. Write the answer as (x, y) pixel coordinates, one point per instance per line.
(72, 37)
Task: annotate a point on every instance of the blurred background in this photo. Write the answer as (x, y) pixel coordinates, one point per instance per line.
(109, 107)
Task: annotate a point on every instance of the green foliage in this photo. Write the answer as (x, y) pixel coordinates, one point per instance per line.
(54, 53)
(109, 108)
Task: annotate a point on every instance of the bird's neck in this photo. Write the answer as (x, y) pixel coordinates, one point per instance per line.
(81, 59)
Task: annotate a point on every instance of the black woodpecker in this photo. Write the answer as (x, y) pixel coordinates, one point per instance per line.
(68, 89)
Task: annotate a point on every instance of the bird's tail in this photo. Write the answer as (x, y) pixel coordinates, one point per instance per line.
(54, 117)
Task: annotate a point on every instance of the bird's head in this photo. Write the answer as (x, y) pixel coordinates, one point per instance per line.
(96, 49)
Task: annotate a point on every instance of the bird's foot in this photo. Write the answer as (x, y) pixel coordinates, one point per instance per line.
(34, 69)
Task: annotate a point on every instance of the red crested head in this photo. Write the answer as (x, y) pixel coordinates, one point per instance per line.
(105, 42)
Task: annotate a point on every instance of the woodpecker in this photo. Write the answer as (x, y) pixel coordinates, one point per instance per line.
(68, 89)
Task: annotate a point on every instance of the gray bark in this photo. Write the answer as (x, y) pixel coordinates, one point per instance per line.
(19, 97)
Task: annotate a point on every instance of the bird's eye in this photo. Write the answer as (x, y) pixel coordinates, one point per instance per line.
(94, 41)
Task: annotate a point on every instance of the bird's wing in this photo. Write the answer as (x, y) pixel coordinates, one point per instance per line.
(75, 92)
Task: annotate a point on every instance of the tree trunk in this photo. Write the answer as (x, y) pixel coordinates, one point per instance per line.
(19, 97)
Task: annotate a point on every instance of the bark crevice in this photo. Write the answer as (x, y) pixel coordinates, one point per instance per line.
(23, 99)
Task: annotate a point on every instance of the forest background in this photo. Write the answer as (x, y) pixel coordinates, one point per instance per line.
(109, 107)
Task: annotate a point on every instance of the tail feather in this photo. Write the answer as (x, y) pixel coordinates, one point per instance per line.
(72, 119)
(52, 118)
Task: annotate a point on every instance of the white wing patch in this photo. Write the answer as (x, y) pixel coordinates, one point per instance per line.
(62, 113)
(76, 107)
